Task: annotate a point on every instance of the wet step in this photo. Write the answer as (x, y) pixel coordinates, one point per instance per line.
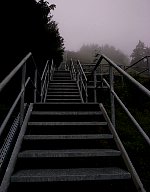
(59, 96)
(66, 107)
(68, 158)
(62, 116)
(68, 137)
(63, 100)
(66, 113)
(62, 92)
(78, 174)
(67, 85)
(68, 153)
(84, 141)
(67, 127)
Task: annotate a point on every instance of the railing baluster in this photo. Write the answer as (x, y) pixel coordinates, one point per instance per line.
(23, 94)
(35, 85)
(95, 82)
(111, 95)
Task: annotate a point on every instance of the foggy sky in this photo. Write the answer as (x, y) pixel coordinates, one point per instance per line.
(121, 23)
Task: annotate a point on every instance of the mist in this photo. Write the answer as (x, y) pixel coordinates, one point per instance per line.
(120, 23)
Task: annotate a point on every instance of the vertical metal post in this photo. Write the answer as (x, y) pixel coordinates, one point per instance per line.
(41, 90)
(148, 65)
(23, 94)
(35, 85)
(81, 84)
(112, 101)
(95, 83)
(48, 72)
(86, 92)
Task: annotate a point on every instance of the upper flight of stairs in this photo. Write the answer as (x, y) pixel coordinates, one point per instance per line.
(62, 88)
(68, 146)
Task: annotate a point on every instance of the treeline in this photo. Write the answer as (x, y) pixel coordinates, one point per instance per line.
(89, 54)
(27, 26)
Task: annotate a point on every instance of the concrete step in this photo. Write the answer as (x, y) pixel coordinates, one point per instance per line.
(63, 100)
(66, 107)
(67, 127)
(57, 89)
(59, 96)
(58, 85)
(66, 113)
(62, 81)
(68, 158)
(62, 78)
(78, 174)
(62, 72)
(68, 137)
(84, 141)
(62, 116)
(69, 153)
(62, 92)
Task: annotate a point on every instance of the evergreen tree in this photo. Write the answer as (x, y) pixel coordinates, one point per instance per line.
(139, 52)
(27, 26)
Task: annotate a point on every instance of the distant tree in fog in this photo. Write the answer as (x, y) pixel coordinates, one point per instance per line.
(138, 53)
(90, 53)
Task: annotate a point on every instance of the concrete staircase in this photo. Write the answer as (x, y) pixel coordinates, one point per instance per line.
(68, 146)
(62, 88)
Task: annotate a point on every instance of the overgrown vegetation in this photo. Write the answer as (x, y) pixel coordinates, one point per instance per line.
(139, 106)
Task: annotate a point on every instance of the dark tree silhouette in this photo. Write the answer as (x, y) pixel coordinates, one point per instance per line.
(26, 26)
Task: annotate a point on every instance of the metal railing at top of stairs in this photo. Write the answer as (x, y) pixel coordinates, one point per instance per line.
(146, 58)
(114, 96)
(47, 75)
(78, 74)
(14, 117)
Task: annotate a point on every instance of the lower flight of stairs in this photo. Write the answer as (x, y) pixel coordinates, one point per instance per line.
(68, 146)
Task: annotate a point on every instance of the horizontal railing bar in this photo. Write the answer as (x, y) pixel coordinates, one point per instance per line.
(12, 108)
(129, 114)
(14, 71)
(143, 71)
(136, 62)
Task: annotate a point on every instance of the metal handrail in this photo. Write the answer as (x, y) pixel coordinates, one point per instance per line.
(81, 68)
(146, 57)
(124, 153)
(12, 109)
(72, 70)
(144, 135)
(83, 82)
(45, 81)
(5, 131)
(125, 74)
(114, 95)
(14, 71)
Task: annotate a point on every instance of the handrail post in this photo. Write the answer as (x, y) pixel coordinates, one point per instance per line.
(148, 65)
(111, 95)
(95, 82)
(35, 85)
(86, 97)
(23, 94)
